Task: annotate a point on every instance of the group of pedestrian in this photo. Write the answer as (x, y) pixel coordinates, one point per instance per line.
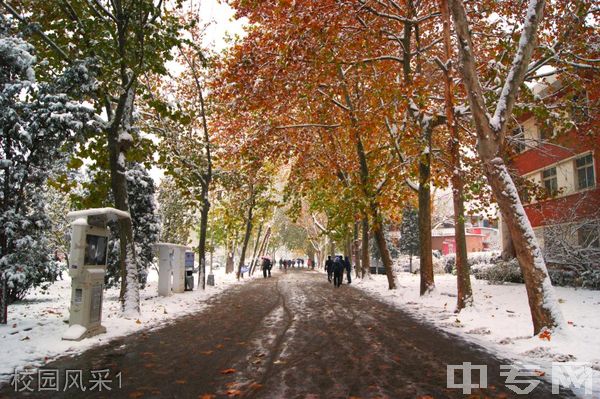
(285, 263)
(335, 270)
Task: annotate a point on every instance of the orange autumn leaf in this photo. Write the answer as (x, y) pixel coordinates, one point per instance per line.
(228, 371)
(545, 335)
(233, 392)
(255, 386)
(207, 396)
(136, 394)
(181, 382)
(207, 353)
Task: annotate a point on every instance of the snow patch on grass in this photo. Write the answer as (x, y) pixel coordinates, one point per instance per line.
(500, 320)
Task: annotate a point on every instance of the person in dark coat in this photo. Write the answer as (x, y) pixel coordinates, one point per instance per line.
(338, 271)
(266, 267)
(329, 268)
(348, 268)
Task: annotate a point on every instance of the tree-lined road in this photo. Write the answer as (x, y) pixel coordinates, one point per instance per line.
(290, 336)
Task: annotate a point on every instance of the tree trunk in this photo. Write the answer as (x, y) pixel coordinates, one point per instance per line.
(383, 250)
(331, 246)
(463, 278)
(206, 177)
(3, 299)
(229, 262)
(543, 305)
(263, 246)
(256, 243)
(202, 239)
(426, 260)
(246, 235)
(3, 238)
(542, 302)
(508, 248)
(366, 259)
(356, 251)
(129, 295)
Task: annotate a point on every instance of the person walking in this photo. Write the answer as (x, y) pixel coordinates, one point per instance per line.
(348, 267)
(266, 267)
(338, 271)
(329, 268)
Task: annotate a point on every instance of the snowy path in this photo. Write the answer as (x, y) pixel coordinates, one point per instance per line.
(291, 336)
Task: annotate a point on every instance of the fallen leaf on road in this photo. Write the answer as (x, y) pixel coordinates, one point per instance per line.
(207, 396)
(228, 371)
(181, 382)
(136, 394)
(545, 335)
(233, 392)
(207, 353)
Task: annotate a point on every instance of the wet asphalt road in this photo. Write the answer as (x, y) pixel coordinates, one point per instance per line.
(291, 336)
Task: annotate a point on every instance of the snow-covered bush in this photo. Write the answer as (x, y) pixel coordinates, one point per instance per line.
(501, 272)
(475, 260)
(39, 124)
(591, 279)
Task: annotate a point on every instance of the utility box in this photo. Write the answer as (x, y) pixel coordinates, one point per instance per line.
(179, 269)
(171, 269)
(87, 259)
(166, 259)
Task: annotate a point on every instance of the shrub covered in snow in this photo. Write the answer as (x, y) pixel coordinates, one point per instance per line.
(475, 260)
(500, 272)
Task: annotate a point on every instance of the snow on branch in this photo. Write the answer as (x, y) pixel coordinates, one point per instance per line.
(519, 65)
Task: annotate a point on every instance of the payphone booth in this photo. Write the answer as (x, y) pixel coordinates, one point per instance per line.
(87, 267)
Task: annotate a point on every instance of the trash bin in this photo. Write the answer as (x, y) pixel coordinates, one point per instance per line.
(189, 279)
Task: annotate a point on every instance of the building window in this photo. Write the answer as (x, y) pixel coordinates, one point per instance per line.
(550, 181)
(588, 236)
(585, 172)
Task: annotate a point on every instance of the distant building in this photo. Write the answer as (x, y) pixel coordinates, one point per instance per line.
(443, 240)
(567, 167)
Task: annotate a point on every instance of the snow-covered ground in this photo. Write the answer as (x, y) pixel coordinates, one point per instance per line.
(500, 319)
(33, 335)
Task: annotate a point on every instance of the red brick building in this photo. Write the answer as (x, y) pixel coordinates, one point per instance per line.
(567, 165)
